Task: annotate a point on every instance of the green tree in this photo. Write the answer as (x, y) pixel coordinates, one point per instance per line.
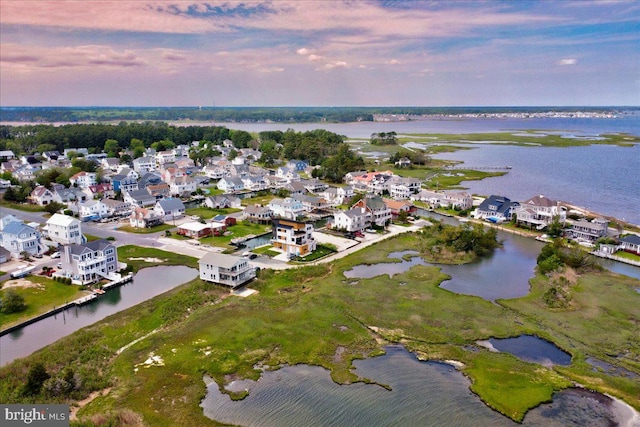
(36, 376)
(112, 148)
(12, 302)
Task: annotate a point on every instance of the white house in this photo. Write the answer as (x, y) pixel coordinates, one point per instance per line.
(355, 219)
(144, 164)
(93, 210)
(83, 179)
(228, 270)
(91, 261)
(183, 185)
(230, 184)
(380, 213)
(539, 212)
(289, 208)
(42, 196)
(18, 237)
(64, 230)
(164, 157)
(169, 209)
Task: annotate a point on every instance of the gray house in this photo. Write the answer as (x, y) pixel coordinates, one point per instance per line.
(170, 209)
(90, 261)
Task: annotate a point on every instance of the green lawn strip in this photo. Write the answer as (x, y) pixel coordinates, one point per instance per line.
(258, 200)
(440, 179)
(91, 238)
(26, 207)
(135, 257)
(266, 250)
(627, 255)
(533, 138)
(46, 296)
(150, 230)
(208, 213)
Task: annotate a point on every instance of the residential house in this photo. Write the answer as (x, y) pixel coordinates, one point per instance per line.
(77, 151)
(144, 218)
(294, 188)
(194, 230)
(379, 183)
(312, 203)
(588, 231)
(182, 186)
(138, 198)
(250, 154)
(227, 270)
(630, 243)
(380, 212)
(149, 178)
(352, 220)
(51, 156)
(68, 196)
(350, 176)
(170, 173)
(257, 214)
(539, 212)
(91, 261)
(64, 230)
(164, 157)
(293, 237)
(6, 155)
(18, 237)
(99, 191)
(170, 209)
(110, 164)
(126, 180)
(254, 183)
(83, 179)
(238, 170)
(289, 208)
(403, 162)
(288, 174)
(457, 200)
(314, 185)
(403, 188)
(398, 206)
(92, 210)
(230, 184)
(495, 209)
(184, 163)
(222, 201)
(159, 191)
(214, 171)
(117, 208)
(144, 164)
(41, 196)
(297, 165)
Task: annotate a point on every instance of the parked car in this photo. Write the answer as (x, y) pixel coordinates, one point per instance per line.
(37, 255)
(55, 255)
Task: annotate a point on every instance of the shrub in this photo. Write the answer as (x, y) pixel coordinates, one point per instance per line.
(12, 302)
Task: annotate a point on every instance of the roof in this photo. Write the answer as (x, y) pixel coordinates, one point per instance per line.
(634, 239)
(171, 204)
(221, 260)
(194, 226)
(15, 227)
(95, 245)
(62, 220)
(503, 204)
(540, 201)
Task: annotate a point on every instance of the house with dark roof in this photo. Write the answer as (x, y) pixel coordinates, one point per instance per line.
(139, 198)
(227, 270)
(380, 212)
(630, 243)
(90, 262)
(588, 231)
(495, 209)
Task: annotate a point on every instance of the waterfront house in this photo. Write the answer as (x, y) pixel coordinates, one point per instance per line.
(380, 212)
(182, 186)
(117, 208)
(64, 230)
(630, 243)
(83, 179)
(222, 201)
(398, 206)
(286, 208)
(138, 198)
(257, 214)
(588, 231)
(144, 218)
(91, 261)
(92, 210)
(170, 209)
(230, 184)
(540, 211)
(159, 191)
(293, 237)
(351, 220)
(495, 209)
(227, 270)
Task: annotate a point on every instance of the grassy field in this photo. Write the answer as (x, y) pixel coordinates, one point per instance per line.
(150, 230)
(304, 315)
(240, 229)
(44, 295)
(208, 213)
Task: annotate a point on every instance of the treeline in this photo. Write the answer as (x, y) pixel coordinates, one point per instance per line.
(219, 114)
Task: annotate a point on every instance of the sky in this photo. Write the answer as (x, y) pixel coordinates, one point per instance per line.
(319, 53)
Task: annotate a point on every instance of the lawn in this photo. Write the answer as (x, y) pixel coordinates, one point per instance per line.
(627, 255)
(240, 229)
(208, 213)
(149, 230)
(44, 296)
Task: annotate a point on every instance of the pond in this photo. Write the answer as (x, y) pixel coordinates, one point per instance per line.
(503, 274)
(532, 349)
(146, 284)
(422, 393)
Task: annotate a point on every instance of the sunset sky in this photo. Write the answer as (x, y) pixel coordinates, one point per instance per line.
(319, 53)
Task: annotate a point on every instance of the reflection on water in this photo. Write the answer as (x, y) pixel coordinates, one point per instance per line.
(422, 394)
(367, 271)
(532, 349)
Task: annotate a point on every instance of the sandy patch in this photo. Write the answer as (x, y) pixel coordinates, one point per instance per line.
(157, 260)
(78, 405)
(487, 344)
(21, 283)
(244, 292)
(152, 360)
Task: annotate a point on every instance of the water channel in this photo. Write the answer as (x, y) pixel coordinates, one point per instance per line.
(145, 285)
(422, 393)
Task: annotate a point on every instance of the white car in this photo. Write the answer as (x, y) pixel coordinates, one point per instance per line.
(55, 255)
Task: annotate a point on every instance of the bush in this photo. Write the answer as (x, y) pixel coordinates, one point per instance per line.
(12, 302)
